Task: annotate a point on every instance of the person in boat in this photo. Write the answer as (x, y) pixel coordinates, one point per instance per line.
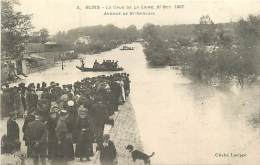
(103, 65)
(82, 63)
(96, 64)
(112, 64)
(116, 64)
(108, 64)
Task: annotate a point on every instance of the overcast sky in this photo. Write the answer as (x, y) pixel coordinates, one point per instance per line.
(56, 15)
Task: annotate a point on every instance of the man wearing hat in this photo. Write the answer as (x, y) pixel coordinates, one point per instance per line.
(6, 102)
(36, 136)
(107, 151)
(71, 108)
(29, 117)
(71, 120)
(13, 133)
(32, 99)
(52, 138)
(100, 114)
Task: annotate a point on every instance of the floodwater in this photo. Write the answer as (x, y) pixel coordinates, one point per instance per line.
(182, 122)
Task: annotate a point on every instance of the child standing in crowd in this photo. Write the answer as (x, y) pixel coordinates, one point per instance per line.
(107, 151)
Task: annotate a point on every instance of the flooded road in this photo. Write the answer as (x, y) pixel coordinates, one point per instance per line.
(183, 122)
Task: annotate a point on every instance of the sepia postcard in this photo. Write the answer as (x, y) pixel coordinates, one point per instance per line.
(127, 82)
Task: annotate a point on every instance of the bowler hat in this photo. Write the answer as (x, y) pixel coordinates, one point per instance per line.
(129, 147)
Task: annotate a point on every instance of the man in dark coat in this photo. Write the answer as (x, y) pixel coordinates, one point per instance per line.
(36, 136)
(43, 107)
(32, 100)
(115, 93)
(107, 151)
(12, 127)
(16, 99)
(101, 116)
(7, 101)
(127, 84)
(52, 138)
(4, 103)
(29, 118)
(22, 92)
(12, 133)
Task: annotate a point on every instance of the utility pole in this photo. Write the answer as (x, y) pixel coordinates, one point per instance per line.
(62, 62)
(62, 66)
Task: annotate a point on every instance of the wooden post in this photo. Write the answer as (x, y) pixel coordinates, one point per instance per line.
(62, 66)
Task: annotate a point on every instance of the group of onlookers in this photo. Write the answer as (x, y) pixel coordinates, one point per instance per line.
(56, 117)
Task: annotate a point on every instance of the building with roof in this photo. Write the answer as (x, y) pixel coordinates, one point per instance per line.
(83, 40)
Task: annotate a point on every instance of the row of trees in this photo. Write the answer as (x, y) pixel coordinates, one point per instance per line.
(16, 32)
(211, 51)
(15, 29)
(102, 38)
(157, 53)
(233, 57)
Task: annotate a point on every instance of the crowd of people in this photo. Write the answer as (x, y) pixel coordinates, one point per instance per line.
(106, 64)
(56, 117)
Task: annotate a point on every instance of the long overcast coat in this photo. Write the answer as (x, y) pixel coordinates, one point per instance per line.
(36, 132)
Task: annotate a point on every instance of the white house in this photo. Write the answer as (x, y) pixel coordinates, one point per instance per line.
(82, 40)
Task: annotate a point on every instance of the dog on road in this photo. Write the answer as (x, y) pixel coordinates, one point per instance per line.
(136, 154)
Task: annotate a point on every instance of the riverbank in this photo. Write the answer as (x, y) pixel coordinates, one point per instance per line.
(125, 132)
(35, 70)
(56, 64)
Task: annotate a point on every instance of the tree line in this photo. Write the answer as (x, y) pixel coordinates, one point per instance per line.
(208, 52)
(17, 31)
(101, 37)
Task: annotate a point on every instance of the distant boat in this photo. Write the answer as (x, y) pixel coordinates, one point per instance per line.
(84, 69)
(127, 48)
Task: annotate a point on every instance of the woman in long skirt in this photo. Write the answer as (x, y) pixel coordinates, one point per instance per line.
(65, 145)
(84, 147)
